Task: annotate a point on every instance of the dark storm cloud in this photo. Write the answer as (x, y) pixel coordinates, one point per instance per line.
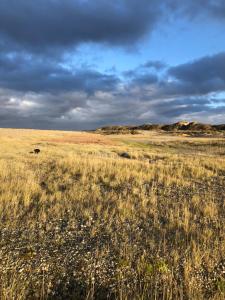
(201, 76)
(180, 106)
(50, 23)
(34, 35)
(41, 94)
(25, 73)
(40, 89)
(196, 78)
(39, 25)
(144, 74)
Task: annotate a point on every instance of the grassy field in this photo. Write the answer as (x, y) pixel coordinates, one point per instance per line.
(81, 221)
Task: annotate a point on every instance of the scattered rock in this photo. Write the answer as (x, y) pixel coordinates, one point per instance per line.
(125, 155)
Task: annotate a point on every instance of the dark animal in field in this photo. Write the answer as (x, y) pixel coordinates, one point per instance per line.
(37, 151)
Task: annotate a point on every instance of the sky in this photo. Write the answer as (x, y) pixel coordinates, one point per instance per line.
(83, 64)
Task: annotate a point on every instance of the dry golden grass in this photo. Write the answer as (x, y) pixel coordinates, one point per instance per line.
(78, 221)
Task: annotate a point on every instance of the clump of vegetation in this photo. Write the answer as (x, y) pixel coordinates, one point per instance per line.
(117, 130)
(190, 128)
(79, 222)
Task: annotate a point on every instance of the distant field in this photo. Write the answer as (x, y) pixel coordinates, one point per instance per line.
(111, 216)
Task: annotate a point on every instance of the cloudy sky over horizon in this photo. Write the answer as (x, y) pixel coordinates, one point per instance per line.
(82, 64)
